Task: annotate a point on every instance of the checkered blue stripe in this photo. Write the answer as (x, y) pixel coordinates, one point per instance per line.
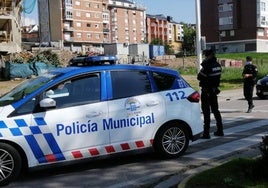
(30, 133)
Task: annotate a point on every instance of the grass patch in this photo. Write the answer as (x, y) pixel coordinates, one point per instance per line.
(231, 77)
(237, 173)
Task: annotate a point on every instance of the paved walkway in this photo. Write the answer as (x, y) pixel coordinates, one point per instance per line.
(231, 94)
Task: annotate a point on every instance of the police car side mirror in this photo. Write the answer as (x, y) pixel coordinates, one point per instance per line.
(47, 103)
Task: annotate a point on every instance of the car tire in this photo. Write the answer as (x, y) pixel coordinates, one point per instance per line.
(261, 96)
(11, 163)
(171, 140)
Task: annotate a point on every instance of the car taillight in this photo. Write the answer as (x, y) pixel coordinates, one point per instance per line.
(194, 97)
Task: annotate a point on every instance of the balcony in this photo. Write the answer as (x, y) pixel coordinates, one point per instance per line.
(69, 39)
(106, 30)
(67, 28)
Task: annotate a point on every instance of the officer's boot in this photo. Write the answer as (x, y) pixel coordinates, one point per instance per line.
(206, 132)
(219, 131)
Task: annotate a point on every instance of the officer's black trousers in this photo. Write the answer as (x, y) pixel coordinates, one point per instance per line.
(248, 92)
(209, 103)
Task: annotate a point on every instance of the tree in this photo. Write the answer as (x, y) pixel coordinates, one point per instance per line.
(157, 41)
(189, 34)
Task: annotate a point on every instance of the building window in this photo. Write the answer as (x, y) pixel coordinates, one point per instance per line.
(96, 25)
(89, 35)
(96, 6)
(263, 20)
(97, 36)
(77, 3)
(226, 20)
(105, 17)
(68, 3)
(225, 7)
(87, 4)
(79, 35)
(69, 14)
(78, 24)
(78, 13)
(88, 15)
(262, 6)
(88, 25)
(260, 32)
(97, 15)
(232, 33)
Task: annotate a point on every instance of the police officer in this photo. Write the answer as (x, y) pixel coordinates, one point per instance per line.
(209, 81)
(249, 76)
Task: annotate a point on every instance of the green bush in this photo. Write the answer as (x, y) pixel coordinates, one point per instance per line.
(264, 147)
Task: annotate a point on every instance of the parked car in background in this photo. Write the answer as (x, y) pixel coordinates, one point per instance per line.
(86, 112)
(262, 87)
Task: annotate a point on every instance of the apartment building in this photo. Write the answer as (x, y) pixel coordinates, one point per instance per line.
(165, 29)
(127, 22)
(157, 27)
(83, 25)
(175, 34)
(235, 25)
(10, 34)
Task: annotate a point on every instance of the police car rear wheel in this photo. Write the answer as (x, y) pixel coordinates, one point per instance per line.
(172, 141)
(10, 163)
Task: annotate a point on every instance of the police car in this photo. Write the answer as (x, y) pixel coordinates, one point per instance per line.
(74, 113)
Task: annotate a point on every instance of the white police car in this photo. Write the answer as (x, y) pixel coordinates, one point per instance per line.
(75, 113)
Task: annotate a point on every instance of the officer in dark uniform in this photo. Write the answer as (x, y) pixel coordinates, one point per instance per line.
(249, 75)
(209, 81)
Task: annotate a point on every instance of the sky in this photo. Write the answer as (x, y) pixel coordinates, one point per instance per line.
(179, 10)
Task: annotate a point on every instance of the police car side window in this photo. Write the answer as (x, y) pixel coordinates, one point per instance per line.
(77, 91)
(85, 90)
(163, 81)
(130, 83)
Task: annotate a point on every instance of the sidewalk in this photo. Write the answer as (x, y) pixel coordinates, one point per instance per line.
(229, 95)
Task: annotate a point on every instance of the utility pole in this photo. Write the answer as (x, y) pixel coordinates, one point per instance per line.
(198, 34)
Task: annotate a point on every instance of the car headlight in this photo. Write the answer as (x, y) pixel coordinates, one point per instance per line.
(259, 82)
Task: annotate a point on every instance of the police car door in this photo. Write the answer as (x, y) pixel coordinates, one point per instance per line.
(71, 128)
(134, 111)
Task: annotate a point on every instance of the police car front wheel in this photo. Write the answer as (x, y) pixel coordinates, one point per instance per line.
(172, 140)
(10, 163)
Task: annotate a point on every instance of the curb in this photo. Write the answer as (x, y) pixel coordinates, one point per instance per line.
(196, 171)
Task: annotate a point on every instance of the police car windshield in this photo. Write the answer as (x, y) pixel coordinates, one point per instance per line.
(26, 88)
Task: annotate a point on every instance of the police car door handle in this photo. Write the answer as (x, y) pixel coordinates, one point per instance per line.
(93, 114)
(152, 103)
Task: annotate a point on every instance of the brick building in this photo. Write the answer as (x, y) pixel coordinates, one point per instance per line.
(83, 25)
(235, 25)
(165, 29)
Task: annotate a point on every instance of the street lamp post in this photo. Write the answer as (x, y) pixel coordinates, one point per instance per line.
(198, 34)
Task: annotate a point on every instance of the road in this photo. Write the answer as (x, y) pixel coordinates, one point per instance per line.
(243, 132)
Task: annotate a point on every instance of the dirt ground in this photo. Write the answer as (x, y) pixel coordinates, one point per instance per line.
(7, 85)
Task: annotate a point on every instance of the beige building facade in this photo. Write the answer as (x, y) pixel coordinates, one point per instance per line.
(10, 33)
